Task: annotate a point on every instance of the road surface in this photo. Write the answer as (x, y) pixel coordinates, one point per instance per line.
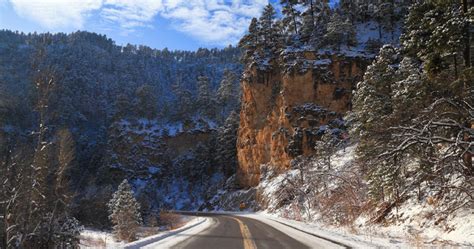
(232, 232)
(236, 232)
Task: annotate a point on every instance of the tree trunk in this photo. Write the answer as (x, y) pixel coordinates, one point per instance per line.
(294, 18)
(467, 157)
(380, 31)
(467, 34)
(455, 66)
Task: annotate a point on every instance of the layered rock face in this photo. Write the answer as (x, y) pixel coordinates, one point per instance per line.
(284, 108)
(146, 148)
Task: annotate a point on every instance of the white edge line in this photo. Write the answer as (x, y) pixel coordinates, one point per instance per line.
(155, 238)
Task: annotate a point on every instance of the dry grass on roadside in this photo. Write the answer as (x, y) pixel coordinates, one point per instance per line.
(92, 242)
(171, 220)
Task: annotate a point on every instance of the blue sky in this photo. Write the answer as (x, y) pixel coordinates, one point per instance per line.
(176, 24)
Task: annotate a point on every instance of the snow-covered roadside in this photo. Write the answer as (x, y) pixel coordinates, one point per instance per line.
(93, 239)
(168, 239)
(336, 235)
(414, 223)
(377, 237)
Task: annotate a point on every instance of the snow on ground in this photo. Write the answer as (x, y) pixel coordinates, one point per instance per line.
(155, 127)
(93, 239)
(337, 235)
(171, 238)
(416, 223)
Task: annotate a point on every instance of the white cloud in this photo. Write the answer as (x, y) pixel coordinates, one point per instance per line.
(130, 14)
(213, 21)
(56, 13)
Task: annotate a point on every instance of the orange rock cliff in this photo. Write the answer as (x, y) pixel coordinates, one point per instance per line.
(283, 108)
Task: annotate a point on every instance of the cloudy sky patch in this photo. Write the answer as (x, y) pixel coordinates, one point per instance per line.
(216, 22)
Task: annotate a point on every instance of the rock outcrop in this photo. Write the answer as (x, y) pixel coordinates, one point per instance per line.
(284, 107)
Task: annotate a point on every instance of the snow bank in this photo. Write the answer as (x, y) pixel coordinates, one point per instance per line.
(169, 239)
(415, 223)
(93, 239)
(335, 236)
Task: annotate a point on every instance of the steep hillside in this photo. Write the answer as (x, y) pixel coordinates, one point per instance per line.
(285, 111)
(151, 116)
(349, 122)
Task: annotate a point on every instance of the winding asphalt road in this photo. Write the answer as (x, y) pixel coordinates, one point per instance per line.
(236, 232)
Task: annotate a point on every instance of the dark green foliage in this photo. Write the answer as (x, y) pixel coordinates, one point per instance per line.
(227, 140)
(206, 100)
(414, 108)
(250, 42)
(59, 90)
(269, 33)
(340, 32)
(228, 94)
(291, 15)
(434, 33)
(146, 105)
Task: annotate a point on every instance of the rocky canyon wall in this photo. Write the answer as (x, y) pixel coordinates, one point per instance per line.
(284, 108)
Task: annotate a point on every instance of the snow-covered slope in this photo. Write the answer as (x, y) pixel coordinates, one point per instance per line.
(413, 223)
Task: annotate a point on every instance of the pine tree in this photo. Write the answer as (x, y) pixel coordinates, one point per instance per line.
(340, 32)
(268, 32)
(365, 9)
(250, 41)
(5, 104)
(123, 107)
(372, 98)
(409, 91)
(315, 19)
(349, 9)
(435, 34)
(146, 104)
(206, 100)
(228, 93)
(125, 212)
(227, 138)
(372, 109)
(184, 102)
(385, 16)
(291, 15)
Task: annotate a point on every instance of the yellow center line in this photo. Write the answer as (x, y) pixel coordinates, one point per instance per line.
(248, 242)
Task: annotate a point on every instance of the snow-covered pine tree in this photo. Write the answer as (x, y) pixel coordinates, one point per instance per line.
(184, 100)
(228, 93)
(250, 42)
(366, 9)
(269, 33)
(206, 98)
(372, 98)
(409, 91)
(146, 104)
(348, 9)
(123, 107)
(385, 16)
(227, 138)
(125, 212)
(315, 18)
(340, 32)
(435, 34)
(372, 109)
(291, 16)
